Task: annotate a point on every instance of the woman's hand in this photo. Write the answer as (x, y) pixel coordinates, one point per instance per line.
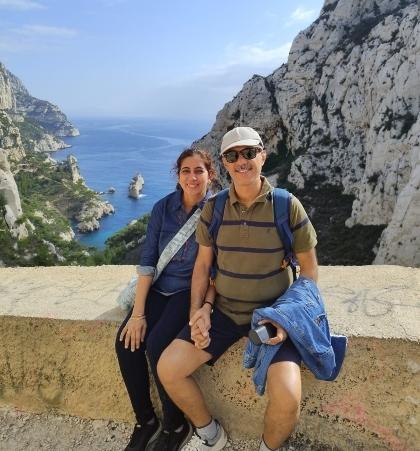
(134, 332)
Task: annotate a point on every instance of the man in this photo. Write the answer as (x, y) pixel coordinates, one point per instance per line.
(250, 274)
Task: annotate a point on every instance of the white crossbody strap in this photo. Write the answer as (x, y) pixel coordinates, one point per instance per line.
(176, 243)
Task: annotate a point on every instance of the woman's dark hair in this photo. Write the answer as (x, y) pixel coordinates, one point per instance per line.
(203, 154)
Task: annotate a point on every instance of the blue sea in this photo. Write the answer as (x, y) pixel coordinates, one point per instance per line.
(111, 151)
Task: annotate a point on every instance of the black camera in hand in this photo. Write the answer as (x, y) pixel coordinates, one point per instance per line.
(262, 333)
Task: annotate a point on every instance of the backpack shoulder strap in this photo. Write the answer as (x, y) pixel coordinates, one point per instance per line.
(282, 201)
(216, 221)
(217, 218)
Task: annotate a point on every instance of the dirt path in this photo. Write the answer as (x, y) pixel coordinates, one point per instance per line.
(24, 431)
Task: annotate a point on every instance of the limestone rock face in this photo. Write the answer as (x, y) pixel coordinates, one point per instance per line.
(10, 194)
(49, 116)
(41, 121)
(72, 166)
(53, 251)
(48, 143)
(6, 95)
(68, 235)
(135, 187)
(90, 213)
(346, 106)
(10, 139)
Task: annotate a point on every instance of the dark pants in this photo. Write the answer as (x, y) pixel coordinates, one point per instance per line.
(165, 316)
(224, 333)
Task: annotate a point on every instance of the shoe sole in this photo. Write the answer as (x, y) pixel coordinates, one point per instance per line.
(187, 438)
(221, 442)
(153, 438)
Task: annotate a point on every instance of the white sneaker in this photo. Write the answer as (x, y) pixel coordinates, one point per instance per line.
(197, 443)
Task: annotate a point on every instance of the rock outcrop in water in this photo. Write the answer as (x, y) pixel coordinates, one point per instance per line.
(342, 116)
(135, 186)
(90, 214)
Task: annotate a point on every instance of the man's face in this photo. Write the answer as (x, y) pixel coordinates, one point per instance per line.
(245, 171)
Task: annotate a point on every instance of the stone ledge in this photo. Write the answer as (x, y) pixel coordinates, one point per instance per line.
(57, 339)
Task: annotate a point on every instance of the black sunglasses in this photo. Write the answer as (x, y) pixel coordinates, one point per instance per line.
(249, 153)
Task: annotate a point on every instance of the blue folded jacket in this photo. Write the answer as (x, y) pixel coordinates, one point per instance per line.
(300, 311)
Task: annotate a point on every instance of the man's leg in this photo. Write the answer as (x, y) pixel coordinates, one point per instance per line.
(176, 365)
(284, 395)
(181, 358)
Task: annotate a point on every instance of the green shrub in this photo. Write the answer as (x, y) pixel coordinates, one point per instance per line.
(116, 245)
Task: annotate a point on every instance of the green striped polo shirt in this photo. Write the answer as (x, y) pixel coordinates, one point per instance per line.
(250, 252)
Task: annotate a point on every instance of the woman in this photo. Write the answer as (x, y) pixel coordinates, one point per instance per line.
(161, 311)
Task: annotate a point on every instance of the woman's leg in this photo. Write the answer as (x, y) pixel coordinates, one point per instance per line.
(133, 365)
(173, 319)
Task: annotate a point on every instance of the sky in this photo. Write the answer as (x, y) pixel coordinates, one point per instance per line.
(179, 59)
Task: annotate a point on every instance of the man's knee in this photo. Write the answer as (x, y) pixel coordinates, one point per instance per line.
(179, 360)
(171, 363)
(284, 388)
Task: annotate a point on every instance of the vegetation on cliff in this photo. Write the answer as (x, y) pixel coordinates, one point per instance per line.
(30, 132)
(124, 247)
(49, 199)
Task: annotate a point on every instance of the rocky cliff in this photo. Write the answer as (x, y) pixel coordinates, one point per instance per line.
(38, 195)
(341, 122)
(10, 138)
(11, 199)
(44, 113)
(41, 122)
(7, 100)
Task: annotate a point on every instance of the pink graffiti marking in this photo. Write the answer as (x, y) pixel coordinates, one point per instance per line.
(355, 411)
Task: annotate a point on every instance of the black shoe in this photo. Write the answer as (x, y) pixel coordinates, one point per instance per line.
(143, 436)
(173, 441)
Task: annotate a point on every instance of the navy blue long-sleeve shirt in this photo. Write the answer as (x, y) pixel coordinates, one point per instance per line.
(167, 218)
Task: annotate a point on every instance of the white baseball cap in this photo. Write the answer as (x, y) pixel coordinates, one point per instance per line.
(240, 136)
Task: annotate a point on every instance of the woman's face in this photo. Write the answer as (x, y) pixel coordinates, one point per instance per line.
(193, 176)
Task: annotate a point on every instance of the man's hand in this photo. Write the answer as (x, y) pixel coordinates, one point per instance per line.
(200, 325)
(281, 334)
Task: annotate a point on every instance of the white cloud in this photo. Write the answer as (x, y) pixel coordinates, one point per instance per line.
(256, 54)
(216, 84)
(22, 5)
(34, 38)
(45, 30)
(301, 14)
(250, 59)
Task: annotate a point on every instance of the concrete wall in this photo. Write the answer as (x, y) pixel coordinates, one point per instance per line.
(57, 329)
